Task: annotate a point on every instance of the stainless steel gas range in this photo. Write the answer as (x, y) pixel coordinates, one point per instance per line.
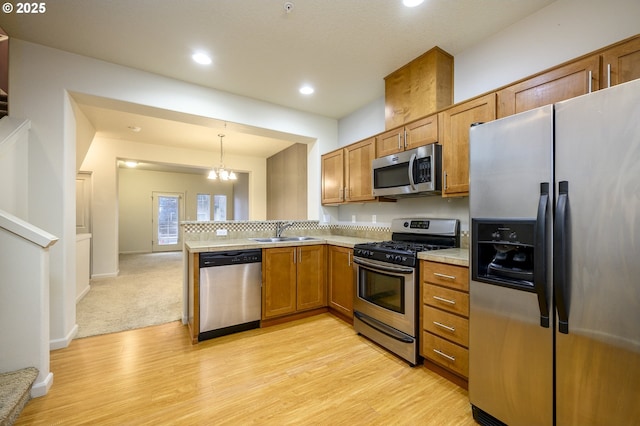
(386, 300)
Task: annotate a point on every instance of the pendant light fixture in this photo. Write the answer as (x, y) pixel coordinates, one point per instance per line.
(221, 172)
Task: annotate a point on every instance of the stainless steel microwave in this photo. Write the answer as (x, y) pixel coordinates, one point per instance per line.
(409, 173)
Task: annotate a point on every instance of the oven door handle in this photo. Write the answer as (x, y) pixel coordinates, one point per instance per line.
(385, 268)
(383, 328)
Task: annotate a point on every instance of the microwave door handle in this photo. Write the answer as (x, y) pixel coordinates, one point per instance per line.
(411, 164)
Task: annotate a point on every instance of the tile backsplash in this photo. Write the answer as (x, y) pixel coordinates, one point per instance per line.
(208, 231)
(204, 231)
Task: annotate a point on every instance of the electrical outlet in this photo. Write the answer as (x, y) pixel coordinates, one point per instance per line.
(373, 218)
(221, 232)
(353, 218)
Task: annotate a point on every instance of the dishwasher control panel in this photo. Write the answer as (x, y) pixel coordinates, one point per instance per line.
(223, 258)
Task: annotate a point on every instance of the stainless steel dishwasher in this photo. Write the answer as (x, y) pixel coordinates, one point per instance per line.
(230, 292)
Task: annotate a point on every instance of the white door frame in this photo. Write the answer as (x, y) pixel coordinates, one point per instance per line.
(155, 245)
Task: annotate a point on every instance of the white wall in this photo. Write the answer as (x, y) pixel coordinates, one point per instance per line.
(40, 79)
(135, 204)
(14, 161)
(363, 123)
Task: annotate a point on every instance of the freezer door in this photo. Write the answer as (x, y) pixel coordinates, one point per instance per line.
(598, 158)
(510, 352)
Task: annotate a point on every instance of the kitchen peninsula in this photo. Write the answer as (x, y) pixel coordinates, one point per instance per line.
(284, 296)
(333, 276)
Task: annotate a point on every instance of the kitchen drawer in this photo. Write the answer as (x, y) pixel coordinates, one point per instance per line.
(446, 354)
(452, 276)
(449, 326)
(453, 301)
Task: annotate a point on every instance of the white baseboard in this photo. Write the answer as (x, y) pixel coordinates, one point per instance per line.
(41, 388)
(64, 342)
(108, 275)
(83, 294)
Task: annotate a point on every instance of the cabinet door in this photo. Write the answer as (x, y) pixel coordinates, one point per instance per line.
(333, 177)
(390, 142)
(341, 280)
(358, 172)
(456, 122)
(278, 282)
(421, 132)
(312, 289)
(565, 82)
(621, 63)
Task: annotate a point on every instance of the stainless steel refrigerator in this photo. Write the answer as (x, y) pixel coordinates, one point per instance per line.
(555, 263)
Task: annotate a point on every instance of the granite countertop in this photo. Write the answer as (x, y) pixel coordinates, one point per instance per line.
(224, 244)
(453, 256)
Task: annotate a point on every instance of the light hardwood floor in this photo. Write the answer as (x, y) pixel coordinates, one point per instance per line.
(310, 371)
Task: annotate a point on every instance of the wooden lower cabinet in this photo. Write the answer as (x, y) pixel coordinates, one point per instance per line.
(293, 280)
(341, 280)
(444, 316)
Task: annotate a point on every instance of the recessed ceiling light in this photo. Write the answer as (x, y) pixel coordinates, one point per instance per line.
(306, 90)
(201, 58)
(134, 128)
(412, 3)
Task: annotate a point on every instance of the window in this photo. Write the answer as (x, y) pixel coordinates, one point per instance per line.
(203, 211)
(219, 207)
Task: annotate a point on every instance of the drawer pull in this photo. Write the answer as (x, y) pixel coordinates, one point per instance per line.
(449, 357)
(442, 299)
(446, 327)
(448, 277)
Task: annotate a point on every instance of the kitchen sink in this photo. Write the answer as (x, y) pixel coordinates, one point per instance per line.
(280, 239)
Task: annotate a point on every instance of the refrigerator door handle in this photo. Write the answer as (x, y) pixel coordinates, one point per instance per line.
(560, 257)
(540, 255)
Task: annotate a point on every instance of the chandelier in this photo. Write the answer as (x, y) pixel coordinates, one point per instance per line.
(221, 172)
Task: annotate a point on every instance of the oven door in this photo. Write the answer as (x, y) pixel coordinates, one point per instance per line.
(387, 294)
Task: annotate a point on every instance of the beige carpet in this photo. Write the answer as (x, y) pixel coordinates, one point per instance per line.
(148, 291)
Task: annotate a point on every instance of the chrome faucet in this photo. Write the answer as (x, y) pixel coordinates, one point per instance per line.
(281, 226)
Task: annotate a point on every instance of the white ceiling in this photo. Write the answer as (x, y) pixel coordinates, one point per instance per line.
(344, 48)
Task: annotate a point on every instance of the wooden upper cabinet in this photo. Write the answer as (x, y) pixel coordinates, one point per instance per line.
(421, 87)
(565, 82)
(621, 63)
(357, 159)
(390, 142)
(333, 177)
(455, 123)
(419, 133)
